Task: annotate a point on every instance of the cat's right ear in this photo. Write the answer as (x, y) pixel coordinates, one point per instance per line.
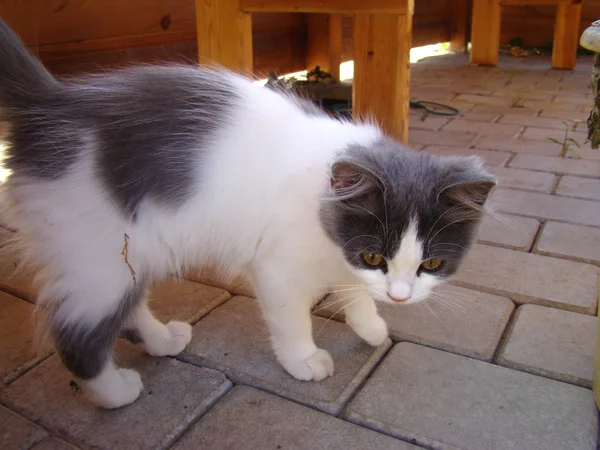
(349, 180)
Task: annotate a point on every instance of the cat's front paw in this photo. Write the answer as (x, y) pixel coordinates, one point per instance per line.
(175, 338)
(374, 331)
(316, 367)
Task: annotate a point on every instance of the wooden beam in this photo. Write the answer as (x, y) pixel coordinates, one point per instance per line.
(224, 34)
(566, 36)
(458, 30)
(324, 36)
(382, 71)
(485, 32)
(330, 6)
(539, 2)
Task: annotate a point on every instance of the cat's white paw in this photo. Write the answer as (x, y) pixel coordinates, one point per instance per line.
(114, 388)
(172, 343)
(374, 331)
(317, 367)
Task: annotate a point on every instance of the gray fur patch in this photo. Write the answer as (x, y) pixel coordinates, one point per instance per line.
(377, 190)
(152, 125)
(85, 351)
(147, 126)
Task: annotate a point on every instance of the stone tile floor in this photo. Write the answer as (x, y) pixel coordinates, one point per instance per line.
(502, 359)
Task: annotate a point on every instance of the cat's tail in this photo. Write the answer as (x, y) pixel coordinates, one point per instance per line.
(24, 81)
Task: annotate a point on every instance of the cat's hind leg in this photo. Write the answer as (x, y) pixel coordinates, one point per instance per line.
(141, 327)
(84, 325)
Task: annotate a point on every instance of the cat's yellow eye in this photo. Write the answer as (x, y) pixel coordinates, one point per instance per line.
(372, 259)
(432, 264)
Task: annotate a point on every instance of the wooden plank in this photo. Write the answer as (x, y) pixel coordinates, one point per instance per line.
(540, 2)
(382, 71)
(60, 21)
(485, 32)
(324, 42)
(224, 34)
(566, 36)
(331, 6)
(458, 30)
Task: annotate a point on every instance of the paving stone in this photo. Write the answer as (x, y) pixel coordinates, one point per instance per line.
(574, 99)
(53, 444)
(517, 145)
(571, 166)
(236, 285)
(491, 157)
(541, 122)
(540, 104)
(175, 394)
(521, 94)
(543, 134)
(508, 231)
(442, 137)
(483, 116)
(528, 278)
(570, 241)
(486, 100)
(524, 179)
(235, 340)
(249, 418)
(579, 187)
(459, 320)
(520, 111)
(175, 299)
(584, 152)
(440, 400)
(490, 129)
(430, 123)
(552, 343)
(17, 433)
(564, 115)
(15, 282)
(553, 207)
(18, 352)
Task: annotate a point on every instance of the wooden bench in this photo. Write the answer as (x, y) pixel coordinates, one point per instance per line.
(485, 30)
(382, 42)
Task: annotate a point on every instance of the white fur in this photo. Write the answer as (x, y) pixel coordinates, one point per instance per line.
(255, 209)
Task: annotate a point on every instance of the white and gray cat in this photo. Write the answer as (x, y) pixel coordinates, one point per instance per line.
(186, 166)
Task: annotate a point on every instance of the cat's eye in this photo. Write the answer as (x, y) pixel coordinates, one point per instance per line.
(432, 264)
(373, 259)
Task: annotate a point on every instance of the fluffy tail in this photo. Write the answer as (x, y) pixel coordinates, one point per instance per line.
(23, 79)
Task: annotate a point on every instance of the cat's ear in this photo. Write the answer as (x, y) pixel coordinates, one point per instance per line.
(350, 180)
(470, 186)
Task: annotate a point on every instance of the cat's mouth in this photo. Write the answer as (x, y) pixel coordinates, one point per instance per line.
(398, 299)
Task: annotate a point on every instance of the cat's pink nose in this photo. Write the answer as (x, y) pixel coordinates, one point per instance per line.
(398, 299)
(400, 290)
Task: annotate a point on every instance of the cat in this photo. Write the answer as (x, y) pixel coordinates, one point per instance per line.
(121, 178)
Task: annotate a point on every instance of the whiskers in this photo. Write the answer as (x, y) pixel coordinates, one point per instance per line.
(458, 304)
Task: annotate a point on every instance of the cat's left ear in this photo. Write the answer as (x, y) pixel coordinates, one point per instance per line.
(470, 185)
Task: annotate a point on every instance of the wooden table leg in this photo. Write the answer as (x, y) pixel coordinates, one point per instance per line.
(458, 31)
(485, 32)
(224, 34)
(324, 42)
(382, 70)
(566, 36)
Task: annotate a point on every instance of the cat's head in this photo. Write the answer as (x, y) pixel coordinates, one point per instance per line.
(404, 220)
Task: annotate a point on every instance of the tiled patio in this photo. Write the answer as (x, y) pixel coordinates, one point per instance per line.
(504, 361)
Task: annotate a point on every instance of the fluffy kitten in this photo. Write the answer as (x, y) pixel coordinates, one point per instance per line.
(183, 166)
